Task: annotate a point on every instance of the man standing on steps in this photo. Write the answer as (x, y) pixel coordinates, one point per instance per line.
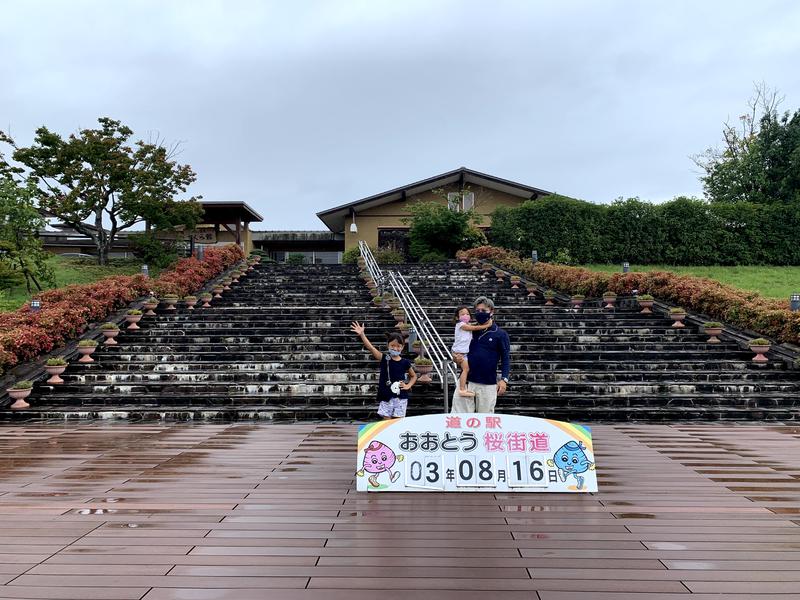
(486, 349)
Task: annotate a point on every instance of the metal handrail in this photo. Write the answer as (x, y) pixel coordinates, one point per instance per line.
(435, 347)
(372, 266)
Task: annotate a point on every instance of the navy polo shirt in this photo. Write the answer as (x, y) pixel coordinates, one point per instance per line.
(486, 349)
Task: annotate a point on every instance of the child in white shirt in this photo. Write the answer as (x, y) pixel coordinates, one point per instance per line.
(460, 349)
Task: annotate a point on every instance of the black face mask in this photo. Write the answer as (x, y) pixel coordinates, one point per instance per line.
(482, 317)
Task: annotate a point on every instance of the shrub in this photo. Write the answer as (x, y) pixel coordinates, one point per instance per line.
(432, 257)
(190, 297)
(646, 297)
(676, 311)
(87, 343)
(23, 384)
(109, 326)
(712, 325)
(295, 259)
(152, 300)
(436, 228)
(160, 253)
(206, 296)
(423, 362)
(351, 256)
(134, 311)
(56, 362)
(388, 256)
(759, 342)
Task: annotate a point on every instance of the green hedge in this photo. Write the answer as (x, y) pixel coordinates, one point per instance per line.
(684, 231)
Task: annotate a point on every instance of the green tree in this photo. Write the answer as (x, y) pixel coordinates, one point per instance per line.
(759, 161)
(98, 176)
(21, 250)
(435, 228)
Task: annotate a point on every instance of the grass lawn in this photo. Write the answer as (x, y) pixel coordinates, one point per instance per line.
(772, 282)
(74, 270)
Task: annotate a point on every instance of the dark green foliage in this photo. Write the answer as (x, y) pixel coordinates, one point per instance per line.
(388, 256)
(759, 162)
(99, 176)
(153, 251)
(20, 247)
(684, 231)
(436, 228)
(432, 257)
(295, 259)
(351, 256)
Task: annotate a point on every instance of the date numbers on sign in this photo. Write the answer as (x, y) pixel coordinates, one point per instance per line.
(474, 471)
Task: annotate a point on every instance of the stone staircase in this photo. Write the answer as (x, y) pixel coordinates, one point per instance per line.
(278, 346)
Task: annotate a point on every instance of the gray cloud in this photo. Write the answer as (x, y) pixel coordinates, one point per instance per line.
(297, 107)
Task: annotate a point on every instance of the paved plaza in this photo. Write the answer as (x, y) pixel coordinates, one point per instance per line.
(251, 511)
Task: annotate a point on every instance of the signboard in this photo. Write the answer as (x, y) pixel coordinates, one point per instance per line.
(205, 236)
(474, 452)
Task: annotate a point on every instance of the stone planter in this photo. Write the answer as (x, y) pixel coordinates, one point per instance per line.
(677, 319)
(217, 289)
(531, 291)
(206, 302)
(133, 320)
(19, 397)
(190, 304)
(424, 372)
(500, 276)
(150, 306)
(548, 301)
(713, 332)
(515, 283)
(110, 335)
(647, 306)
(760, 351)
(170, 302)
(576, 302)
(609, 300)
(86, 352)
(54, 371)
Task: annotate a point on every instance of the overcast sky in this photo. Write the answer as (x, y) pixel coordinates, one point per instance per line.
(295, 107)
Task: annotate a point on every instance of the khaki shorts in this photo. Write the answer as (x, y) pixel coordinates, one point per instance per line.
(483, 402)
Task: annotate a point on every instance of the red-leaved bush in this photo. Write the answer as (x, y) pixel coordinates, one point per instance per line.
(743, 309)
(67, 311)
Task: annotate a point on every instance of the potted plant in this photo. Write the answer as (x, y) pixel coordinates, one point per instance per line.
(86, 347)
(404, 328)
(110, 330)
(531, 289)
(577, 300)
(475, 263)
(377, 300)
(133, 316)
(646, 302)
(713, 329)
(677, 315)
(235, 276)
(418, 348)
(760, 346)
(500, 275)
(256, 258)
(487, 269)
(226, 283)
(217, 289)
(609, 298)
(170, 300)
(190, 301)
(423, 366)
(515, 281)
(548, 297)
(18, 392)
(151, 304)
(55, 367)
(206, 298)
(399, 314)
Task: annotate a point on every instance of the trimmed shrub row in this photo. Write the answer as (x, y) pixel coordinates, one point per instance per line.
(67, 311)
(746, 310)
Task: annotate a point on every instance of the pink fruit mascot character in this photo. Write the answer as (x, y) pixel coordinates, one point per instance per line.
(379, 458)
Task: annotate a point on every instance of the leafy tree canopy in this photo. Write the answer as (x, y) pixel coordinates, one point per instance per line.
(99, 183)
(759, 161)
